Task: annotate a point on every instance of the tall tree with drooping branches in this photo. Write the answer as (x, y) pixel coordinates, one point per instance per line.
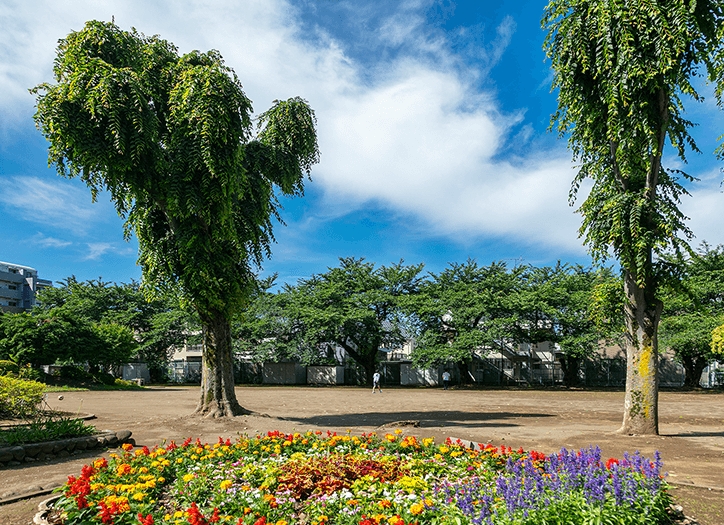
(623, 70)
(171, 138)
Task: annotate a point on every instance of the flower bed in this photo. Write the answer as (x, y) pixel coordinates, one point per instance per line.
(393, 479)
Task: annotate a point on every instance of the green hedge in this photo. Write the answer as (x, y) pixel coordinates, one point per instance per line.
(20, 398)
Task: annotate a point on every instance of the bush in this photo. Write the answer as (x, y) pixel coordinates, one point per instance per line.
(20, 398)
(74, 373)
(8, 368)
(104, 378)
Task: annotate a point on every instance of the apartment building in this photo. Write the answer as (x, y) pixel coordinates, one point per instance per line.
(18, 286)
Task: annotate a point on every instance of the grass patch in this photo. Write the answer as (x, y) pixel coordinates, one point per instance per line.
(42, 430)
(64, 388)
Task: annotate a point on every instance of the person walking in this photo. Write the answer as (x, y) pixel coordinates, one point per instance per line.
(445, 379)
(376, 382)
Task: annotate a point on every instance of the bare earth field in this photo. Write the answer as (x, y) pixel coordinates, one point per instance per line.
(691, 425)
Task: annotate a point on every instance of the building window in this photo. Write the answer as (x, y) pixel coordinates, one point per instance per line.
(12, 303)
(12, 287)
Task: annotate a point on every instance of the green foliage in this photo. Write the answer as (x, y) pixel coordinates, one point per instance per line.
(45, 429)
(170, 137)
(717, 340)
(8, 368)
(356, 306)
(20, 398)
(693, 308)
(156, 324)
(463, 311)
(622, 70)
(468, 310)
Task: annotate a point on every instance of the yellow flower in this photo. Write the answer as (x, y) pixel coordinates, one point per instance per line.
(178, 514)
(416, 508)
(398, 431)
(428, 441)
(282, 522)
(138, 496)
(443, 449)
(161, 480)
(188, 477)
(352, 502)
(226, 484)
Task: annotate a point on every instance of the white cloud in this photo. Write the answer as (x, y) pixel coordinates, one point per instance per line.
(96, 250)
(49, 242)
(705, 208)
(55, 203)
(417, 136)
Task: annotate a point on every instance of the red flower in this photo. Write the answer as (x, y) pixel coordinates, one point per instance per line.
(611, 462)
(106, 513)
(261, 521)
(195, 516)
(215, 516)
(148, 520)
(186, 443)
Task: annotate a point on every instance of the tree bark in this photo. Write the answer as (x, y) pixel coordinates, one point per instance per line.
(641, 403)
(218, 398)
(570, 365)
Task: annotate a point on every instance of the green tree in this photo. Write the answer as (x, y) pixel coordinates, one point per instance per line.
(692, 310)
(60, 336)
(623, 70)
(553, 305)
(462, 312)
(157, 324)
(355, 306)
(266, 330)
(171, 139)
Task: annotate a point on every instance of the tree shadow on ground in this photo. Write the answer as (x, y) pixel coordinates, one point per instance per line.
(425, 418)
(694, 434)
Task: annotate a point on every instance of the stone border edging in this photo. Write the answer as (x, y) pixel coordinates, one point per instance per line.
(16, 455)
(43, 508)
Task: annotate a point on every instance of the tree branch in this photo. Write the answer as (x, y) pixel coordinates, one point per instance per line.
(616, 171)
(652, 177)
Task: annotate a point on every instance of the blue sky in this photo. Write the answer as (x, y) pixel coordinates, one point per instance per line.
(432, 115)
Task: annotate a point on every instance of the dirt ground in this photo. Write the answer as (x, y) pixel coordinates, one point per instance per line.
(691, 425)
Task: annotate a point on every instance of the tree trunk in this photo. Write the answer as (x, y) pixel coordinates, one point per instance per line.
(464, 372)
(218, 398)
(641, 404)
(693, 367)
(570, 365)
(370, 365)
